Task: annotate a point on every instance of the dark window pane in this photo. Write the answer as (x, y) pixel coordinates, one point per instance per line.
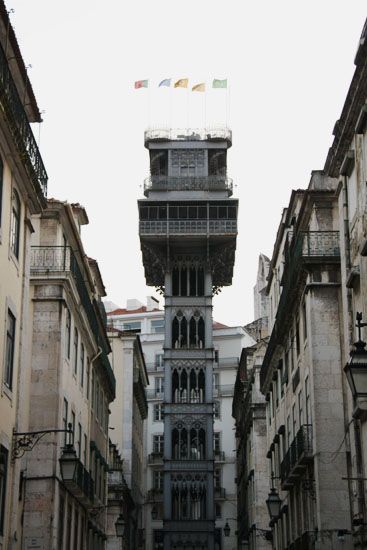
(182, 212)
(193, 212)
(232, 212)
(202, 212)
(213, 214)
(162, 211)
(153, 212)
(173, 212)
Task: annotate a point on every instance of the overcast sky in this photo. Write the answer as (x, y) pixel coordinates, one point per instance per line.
(288, 64)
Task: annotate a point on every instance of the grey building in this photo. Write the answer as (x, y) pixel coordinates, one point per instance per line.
(188, 228)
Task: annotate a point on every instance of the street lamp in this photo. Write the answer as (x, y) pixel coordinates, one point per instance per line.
(273, 502)
(68, 463)
(356, 369)
(120, 526)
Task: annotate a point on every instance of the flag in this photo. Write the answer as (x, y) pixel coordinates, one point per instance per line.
(141, 84)
(165, 82)
(182, 83)
(199, 87)
(219, 83)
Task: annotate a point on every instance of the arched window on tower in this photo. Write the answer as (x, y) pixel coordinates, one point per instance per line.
(179, 331)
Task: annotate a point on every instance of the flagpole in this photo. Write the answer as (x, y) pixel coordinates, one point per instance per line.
(205, 108)
(188, 108)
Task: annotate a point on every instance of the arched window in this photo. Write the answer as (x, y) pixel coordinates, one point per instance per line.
(15, 223)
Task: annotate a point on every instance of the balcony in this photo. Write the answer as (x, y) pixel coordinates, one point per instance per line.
(155, 495)
(154, 394)
(60, 260)
(188, 227)
(20, 129)
(219, 493)
(155, 458)
(223, 390)
(219, 456)
(154, 367)
(83, 487)
(189, 183)
(215, 133)
(299, 454)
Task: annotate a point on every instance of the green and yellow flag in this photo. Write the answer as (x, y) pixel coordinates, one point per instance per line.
(199, 87)
(182, 83)
(219, 83)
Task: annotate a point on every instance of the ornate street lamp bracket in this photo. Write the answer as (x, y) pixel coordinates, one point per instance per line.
(26, 441)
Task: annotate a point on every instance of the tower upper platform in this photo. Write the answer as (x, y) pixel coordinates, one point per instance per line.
(213, 134)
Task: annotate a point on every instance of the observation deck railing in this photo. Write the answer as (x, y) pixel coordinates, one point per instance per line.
(192, 227)
(214, 133)
(188, 183)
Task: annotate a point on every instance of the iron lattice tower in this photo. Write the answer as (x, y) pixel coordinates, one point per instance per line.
(188, 229)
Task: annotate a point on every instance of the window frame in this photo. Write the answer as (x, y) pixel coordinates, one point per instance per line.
(15, 216)
(9, 349)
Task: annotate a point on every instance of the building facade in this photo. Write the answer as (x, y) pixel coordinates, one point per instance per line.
(69, 381)
(23, 189)
(128, 414)
(302, 373)
(347, 162)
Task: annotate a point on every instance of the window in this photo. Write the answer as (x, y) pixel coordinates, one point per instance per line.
(73, 424)
(65, 419)
(218, 510)
(308, 405)
(88, 377)
(159, 360)
(216, 356)
(294, 420)
(82, 353)
(76, 529)
(216, 382)
(158, 480)
(159, 385)
(85, 450)
(92, 390)
(96, 399)
(1, 185)
(158, 443)
(76, 342)
(136, 325)
(79, 442)
(304, 317)
(216, 441)
(67, 333)
(157, 326)
(158, 412)
(300, 409)
(217, 478)
(15, 223)
(9, 352)
(3, 479)
(157, 540)
(216, 409)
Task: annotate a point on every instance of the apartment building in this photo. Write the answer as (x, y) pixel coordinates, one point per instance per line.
(127, 423)
(23, 189)
(69, 381)
(302, 373)
(228, 343)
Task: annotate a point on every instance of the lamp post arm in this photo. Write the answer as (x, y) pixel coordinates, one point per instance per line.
(26, 441)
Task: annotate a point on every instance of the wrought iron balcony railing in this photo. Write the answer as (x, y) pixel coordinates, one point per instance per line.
(154, 367)
(155, 458)
(181, 227)
(299, 453)
(155, 495)
(188, 183)
(219, 492)
(20, 128)
(59, 260)
(83, 486)
(188, 134)
(219, 456)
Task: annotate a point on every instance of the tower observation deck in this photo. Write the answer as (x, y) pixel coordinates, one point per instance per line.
(188, 229)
